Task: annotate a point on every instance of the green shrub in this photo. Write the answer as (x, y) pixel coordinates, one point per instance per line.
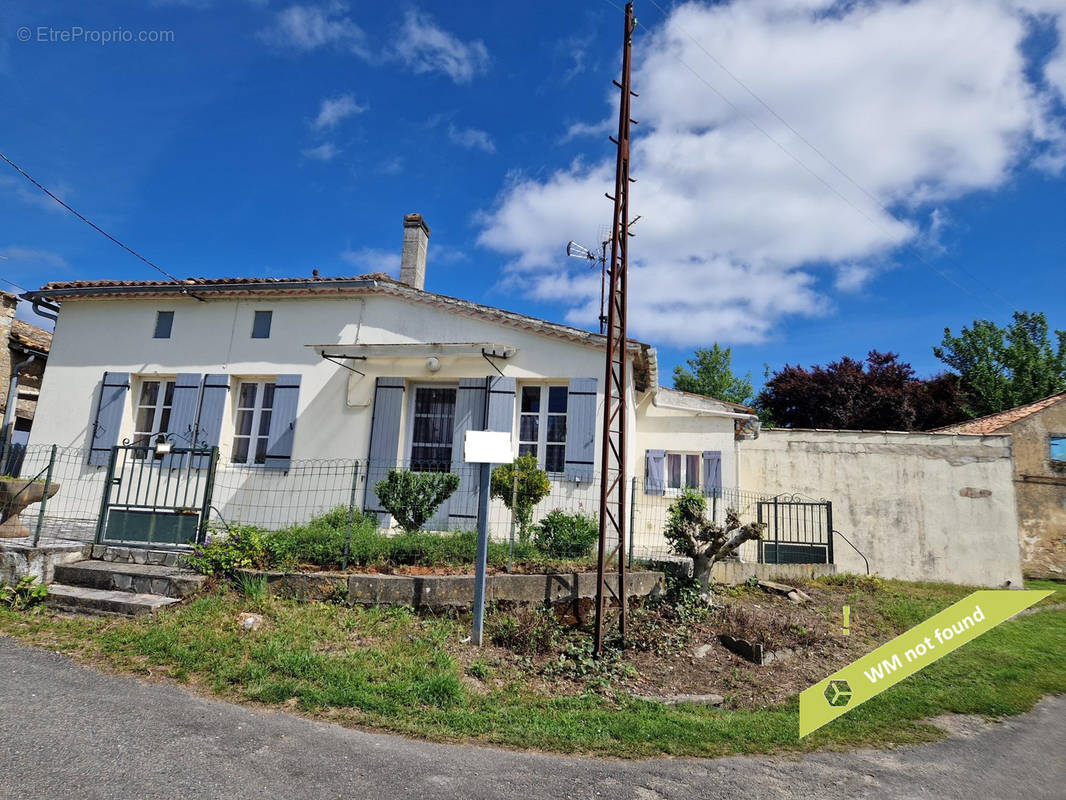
(320, 541)
(240, 547)
(24, 594)
(532, 487)
(562, 535)
(414, 497)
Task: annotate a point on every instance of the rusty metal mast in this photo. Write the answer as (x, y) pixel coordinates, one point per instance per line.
(613, 446)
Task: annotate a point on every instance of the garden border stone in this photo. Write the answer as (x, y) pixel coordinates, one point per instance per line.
(452, 591)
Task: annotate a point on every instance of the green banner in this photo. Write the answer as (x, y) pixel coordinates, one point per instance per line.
(909, 652)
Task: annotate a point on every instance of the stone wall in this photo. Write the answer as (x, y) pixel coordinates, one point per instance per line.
(920, 506)
(1040, 486)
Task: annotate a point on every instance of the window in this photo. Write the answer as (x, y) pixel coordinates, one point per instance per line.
(261, 324)
(255, 403)
(152, 415)
(682, 471)
(542, 426)
(164, 323)
(433, 420)
(1058, 449)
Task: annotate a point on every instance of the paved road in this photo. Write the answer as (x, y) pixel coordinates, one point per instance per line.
(70, 732)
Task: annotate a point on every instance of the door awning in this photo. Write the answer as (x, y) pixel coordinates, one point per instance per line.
(416, 350)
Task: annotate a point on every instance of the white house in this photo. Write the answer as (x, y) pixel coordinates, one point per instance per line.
(279, 373)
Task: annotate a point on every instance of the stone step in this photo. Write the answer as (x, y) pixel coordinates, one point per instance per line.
(85, 600)
(138, 555)
(137, 578)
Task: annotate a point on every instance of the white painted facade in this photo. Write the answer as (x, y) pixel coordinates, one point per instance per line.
(335, 408)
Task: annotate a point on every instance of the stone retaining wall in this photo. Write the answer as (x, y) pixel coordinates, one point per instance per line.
(452, 591)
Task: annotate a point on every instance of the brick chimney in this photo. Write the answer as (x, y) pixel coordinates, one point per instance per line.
(415, 244)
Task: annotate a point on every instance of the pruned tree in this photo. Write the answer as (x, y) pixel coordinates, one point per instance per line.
(706, 542)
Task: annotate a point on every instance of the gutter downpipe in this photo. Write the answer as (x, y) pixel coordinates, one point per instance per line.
(12, 402)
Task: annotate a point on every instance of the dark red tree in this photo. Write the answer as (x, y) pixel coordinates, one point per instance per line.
(881, 393)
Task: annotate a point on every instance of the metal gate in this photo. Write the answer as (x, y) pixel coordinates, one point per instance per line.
(798, 530)
(157, 495)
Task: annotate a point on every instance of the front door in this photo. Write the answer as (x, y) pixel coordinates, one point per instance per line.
(430, 440)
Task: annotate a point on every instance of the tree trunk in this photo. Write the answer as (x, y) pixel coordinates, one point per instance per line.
(702, 566)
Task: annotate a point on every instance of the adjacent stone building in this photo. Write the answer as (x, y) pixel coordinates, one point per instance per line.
(19, 341)
(1038, 431)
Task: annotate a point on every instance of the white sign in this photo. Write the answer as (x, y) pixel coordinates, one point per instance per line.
(487, 447)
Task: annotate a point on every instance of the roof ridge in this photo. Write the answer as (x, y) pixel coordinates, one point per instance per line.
(1009, 415)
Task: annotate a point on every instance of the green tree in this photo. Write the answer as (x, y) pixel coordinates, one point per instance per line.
(521, 486)
(1000, 368)
(710, 373)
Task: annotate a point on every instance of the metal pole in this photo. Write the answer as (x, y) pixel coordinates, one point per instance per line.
(44, 500)
(482, 554)
(351, 517)
(104, 501)
(613, 444)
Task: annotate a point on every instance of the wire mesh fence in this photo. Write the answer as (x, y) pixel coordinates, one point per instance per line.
(275, 499)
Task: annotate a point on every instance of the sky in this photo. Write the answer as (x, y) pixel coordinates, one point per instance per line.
(814, 178)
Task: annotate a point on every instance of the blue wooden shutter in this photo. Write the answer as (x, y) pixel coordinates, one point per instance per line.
(500, 415)
(113, 390)
(712, 473)
(654, 461)
(469, 416)
(581, 429)
(209, 421)
(282, 422)
(183, 410)
(384, 440)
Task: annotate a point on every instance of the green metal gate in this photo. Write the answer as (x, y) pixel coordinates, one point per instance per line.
(157, 495)
(799, 530)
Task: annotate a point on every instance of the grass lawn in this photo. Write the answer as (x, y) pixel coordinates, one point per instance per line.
(389, 669)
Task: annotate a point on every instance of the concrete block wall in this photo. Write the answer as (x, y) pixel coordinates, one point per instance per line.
(920, 506)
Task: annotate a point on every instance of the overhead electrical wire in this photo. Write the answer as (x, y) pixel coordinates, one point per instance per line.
(761, 129)
(88, 221)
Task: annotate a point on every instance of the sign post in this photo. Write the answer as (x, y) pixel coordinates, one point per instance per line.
(485, 448)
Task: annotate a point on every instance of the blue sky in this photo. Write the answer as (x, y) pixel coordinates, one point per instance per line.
(895, 168)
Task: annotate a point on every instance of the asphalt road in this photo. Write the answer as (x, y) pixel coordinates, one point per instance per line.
(71, 732)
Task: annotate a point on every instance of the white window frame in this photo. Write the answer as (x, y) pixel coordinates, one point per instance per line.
(253, 436)
(158, 408)
(410, 426)
(684, 455)
(542, 423)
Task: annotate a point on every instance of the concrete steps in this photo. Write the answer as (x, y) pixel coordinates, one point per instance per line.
(85, 600)
(137, 578)
(130, 582)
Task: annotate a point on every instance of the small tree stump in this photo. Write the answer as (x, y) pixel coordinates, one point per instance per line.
(15, 495)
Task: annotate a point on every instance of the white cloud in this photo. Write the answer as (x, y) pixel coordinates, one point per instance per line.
(32, 196)
(373, 260)
(303, 28)
(919, 103)
(15, 256)
(601, 128)
(336, 109)
(327, 151)
(423, 46)
(471, 138)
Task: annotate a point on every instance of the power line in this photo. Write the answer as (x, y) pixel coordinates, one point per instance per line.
(85, 219)
(918, 254)
(12, 283)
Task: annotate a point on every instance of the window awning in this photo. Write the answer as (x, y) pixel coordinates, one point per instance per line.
(416, 350)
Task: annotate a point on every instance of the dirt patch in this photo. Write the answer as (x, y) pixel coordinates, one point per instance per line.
(670, 656)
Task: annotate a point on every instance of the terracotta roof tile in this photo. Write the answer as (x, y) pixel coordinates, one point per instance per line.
(995, 422)
(30, 335)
